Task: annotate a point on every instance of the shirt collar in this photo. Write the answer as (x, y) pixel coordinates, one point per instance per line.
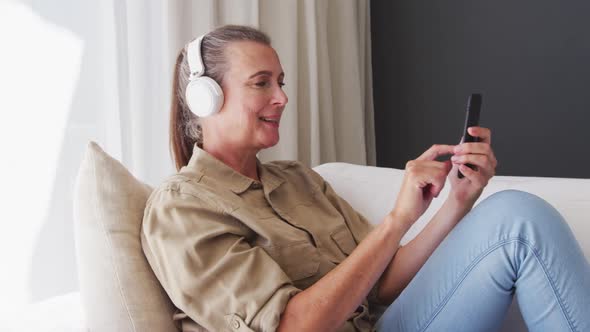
(235, 181)
(270, 180)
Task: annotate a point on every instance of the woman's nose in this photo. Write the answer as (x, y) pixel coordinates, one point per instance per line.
(280, 97)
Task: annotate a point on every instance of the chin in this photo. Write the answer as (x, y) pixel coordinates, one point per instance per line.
(269, 143)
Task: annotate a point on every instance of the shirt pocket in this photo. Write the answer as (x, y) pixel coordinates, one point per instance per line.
(343, 239)
(299, 260)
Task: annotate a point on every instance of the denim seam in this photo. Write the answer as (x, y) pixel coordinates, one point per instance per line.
(476, 261)
(564, 308)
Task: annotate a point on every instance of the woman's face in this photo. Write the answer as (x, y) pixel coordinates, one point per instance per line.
(254, 97)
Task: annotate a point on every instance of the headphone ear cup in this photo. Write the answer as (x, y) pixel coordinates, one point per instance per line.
(204, 96)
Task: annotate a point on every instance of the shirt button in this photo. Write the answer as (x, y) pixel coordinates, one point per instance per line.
(236, 324)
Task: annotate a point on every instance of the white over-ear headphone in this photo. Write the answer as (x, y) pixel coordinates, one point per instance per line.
(203, 95)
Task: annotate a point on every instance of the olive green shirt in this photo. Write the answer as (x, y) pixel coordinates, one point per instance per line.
(231, 251)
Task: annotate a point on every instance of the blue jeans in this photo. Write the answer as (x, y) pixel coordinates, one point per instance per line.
(512, 242)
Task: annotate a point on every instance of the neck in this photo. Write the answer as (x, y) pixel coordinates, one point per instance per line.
(243, 162)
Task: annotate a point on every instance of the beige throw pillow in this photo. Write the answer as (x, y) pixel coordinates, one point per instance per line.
(118, 288)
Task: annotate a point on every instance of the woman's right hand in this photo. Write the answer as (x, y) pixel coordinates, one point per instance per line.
(423, 180)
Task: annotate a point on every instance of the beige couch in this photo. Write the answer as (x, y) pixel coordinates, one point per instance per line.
(118, 290)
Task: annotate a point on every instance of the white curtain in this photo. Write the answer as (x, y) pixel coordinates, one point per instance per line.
(102, 71)
(324, 47)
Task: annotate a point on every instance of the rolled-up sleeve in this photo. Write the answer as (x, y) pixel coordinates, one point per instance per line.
(202, 258)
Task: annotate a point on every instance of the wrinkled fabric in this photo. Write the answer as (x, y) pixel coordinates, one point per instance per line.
(231, 251)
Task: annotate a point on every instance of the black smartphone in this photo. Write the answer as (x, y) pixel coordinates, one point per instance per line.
(471, 120)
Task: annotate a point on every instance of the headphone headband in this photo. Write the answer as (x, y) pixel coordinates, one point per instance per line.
(195, 62)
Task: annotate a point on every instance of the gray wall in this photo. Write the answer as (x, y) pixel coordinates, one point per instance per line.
(530, 59)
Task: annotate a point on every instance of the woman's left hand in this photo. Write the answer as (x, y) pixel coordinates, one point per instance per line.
(468, 189)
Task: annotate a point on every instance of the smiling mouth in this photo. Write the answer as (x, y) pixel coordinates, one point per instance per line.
(269, 120)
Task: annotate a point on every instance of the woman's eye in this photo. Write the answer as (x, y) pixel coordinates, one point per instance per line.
(265, 84)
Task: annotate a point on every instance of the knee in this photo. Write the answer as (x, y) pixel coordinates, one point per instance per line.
(520, 207)
(515, 200)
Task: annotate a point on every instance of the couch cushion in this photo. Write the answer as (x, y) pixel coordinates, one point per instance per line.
(118, 288)
(372, 191)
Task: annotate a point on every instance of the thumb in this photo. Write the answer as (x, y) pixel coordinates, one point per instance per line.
(436, 190)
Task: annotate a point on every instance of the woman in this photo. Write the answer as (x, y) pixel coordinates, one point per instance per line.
(244, 246)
